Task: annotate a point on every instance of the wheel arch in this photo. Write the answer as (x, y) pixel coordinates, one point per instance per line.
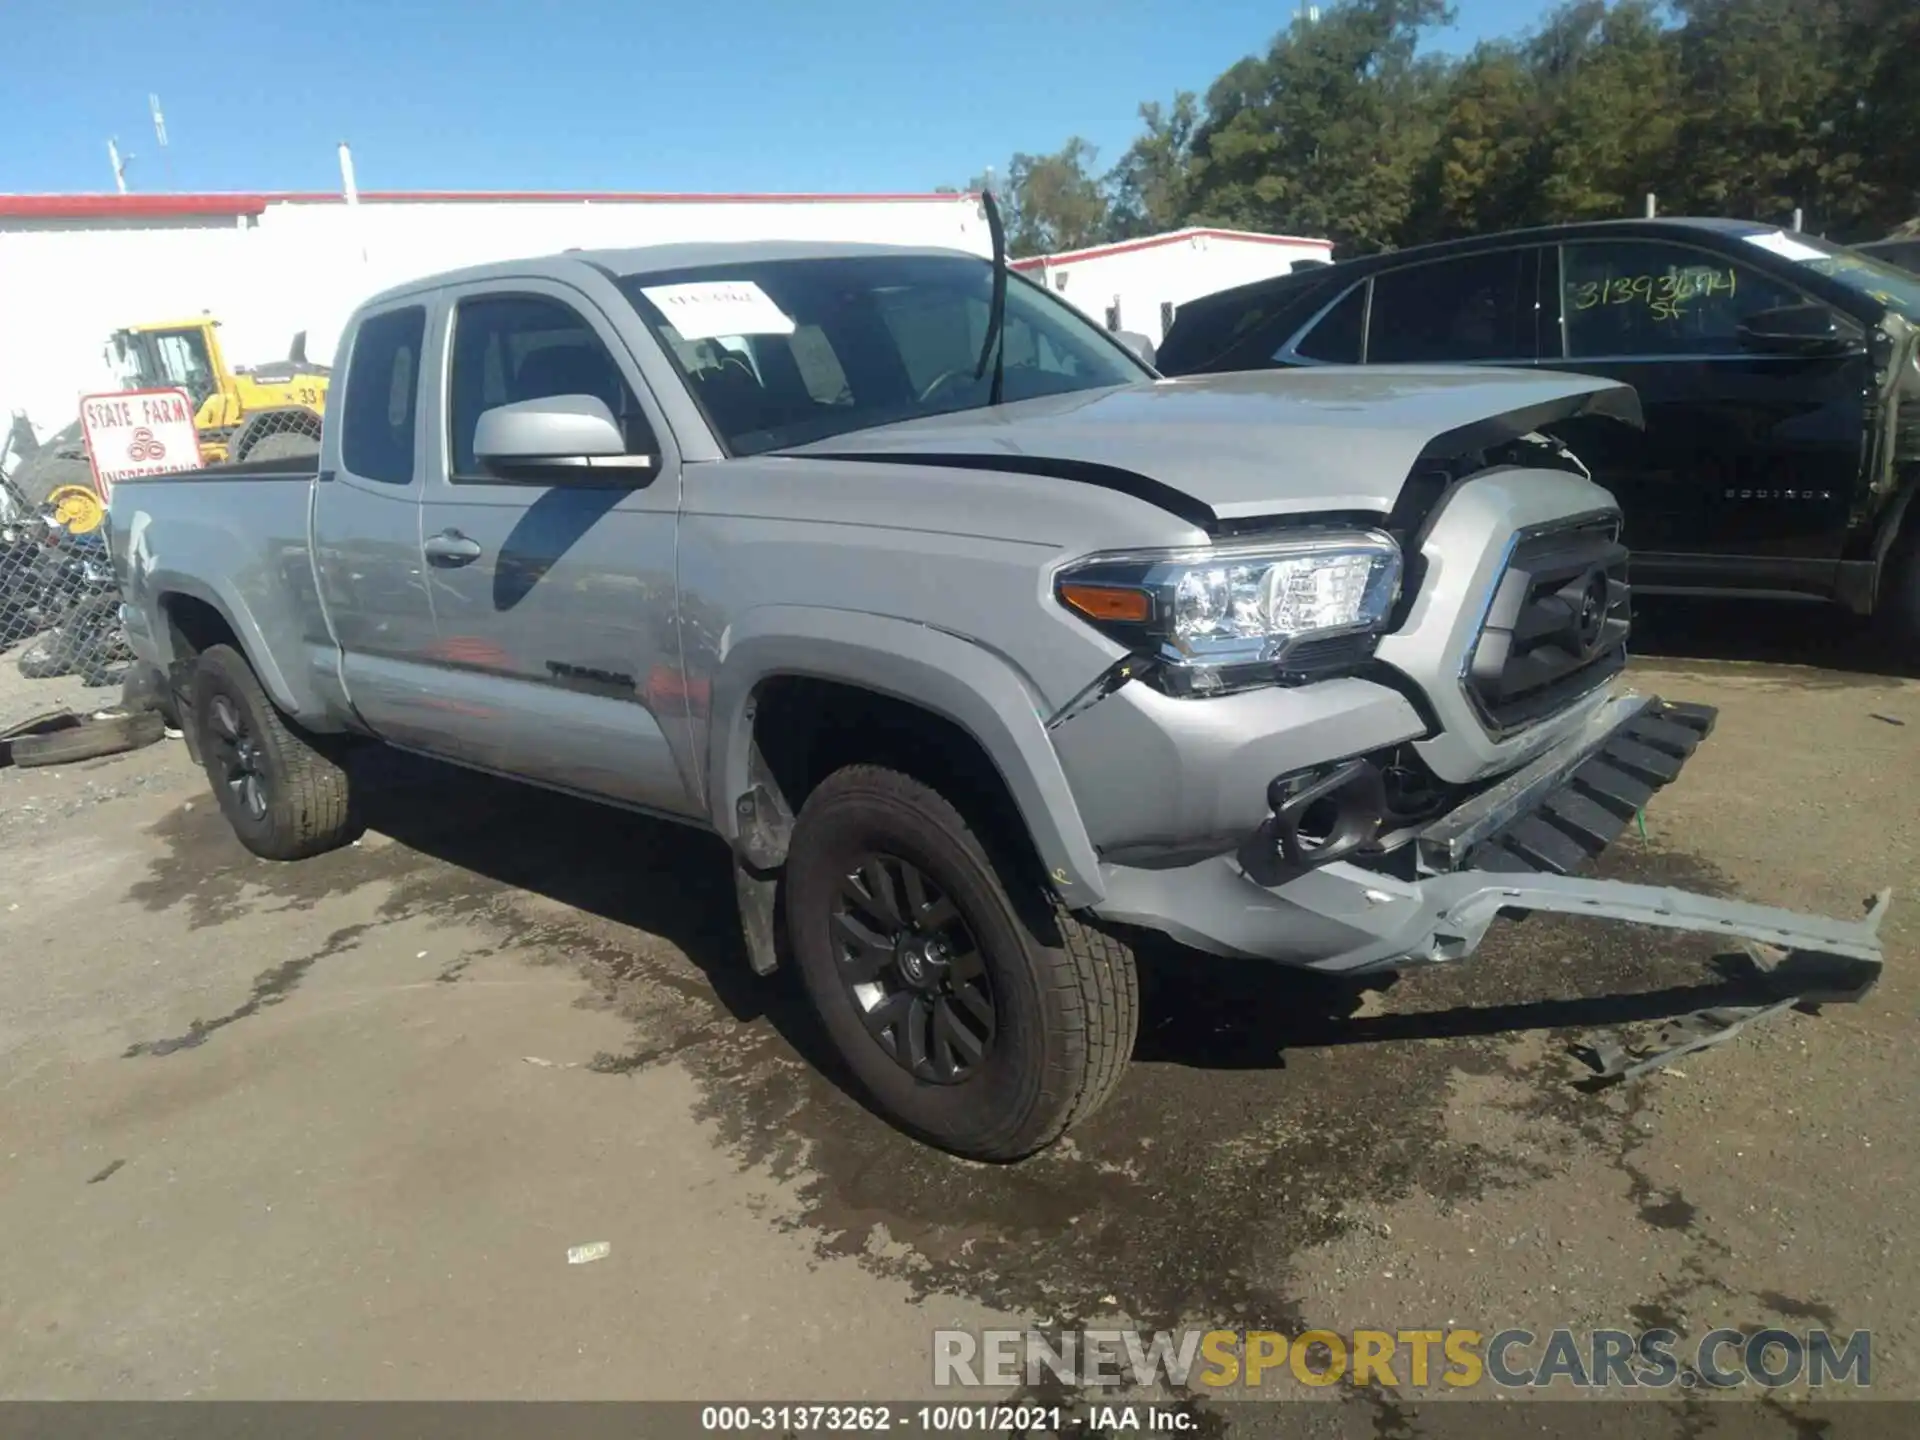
(196, 616)
(783, 664)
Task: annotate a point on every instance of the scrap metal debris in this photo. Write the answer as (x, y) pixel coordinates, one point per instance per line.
(1684, 1035)
(1789, 980)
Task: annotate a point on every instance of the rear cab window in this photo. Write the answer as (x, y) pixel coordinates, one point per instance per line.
(382, 404)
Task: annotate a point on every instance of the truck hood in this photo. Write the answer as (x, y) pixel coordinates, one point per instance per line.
(1228, 447)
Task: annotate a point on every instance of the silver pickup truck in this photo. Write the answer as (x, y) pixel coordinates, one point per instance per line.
(981, 645)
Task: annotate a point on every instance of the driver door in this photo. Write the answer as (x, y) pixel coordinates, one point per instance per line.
(1746, 456)
(554, 599)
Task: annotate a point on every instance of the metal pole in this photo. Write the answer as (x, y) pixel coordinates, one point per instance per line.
(1652, 208)
(347, 186)
(350, 190)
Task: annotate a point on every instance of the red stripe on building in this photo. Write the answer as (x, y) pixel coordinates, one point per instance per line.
(88, 207)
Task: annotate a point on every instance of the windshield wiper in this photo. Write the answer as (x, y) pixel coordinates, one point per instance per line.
(997, 309)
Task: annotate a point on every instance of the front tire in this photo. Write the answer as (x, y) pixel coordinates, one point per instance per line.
(284, 797)
(974, 1012)
(1898, 614)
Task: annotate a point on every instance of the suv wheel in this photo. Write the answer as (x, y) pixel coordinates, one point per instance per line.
(975, 1013)
(284, 797)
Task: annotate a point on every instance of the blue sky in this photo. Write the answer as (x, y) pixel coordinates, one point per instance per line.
(728, 95)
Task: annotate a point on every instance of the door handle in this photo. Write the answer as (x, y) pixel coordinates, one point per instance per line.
(450, 548)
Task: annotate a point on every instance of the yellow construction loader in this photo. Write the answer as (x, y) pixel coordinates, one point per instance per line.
(255, 412)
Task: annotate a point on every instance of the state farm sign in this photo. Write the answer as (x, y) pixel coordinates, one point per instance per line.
(138, 432)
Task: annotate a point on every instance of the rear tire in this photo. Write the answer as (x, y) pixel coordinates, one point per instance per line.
(282, 446)
(284, 796)
(61, 461)
(275, 435)
(1061, 999)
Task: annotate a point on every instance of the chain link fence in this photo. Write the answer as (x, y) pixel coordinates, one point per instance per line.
(62, 645)
(273, 435)
(61, 641)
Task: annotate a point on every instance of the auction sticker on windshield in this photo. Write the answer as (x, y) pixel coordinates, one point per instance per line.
(133, 433)
(708, 309)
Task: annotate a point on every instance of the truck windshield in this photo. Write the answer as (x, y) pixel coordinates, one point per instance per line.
(1897, 289)
(785, 352)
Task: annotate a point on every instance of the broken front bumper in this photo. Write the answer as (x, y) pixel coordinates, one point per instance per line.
(1509, 849)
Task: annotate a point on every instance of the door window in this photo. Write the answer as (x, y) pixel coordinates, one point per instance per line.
(1648, 297)
(508, 348)
(1447, 311)
(383, 396)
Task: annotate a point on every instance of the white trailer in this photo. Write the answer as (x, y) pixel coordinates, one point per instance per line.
(1139, 285)
(74, 268)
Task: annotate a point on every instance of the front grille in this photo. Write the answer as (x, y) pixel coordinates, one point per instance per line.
(1556, 628)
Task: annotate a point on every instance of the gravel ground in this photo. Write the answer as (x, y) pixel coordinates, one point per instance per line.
(328, 1129)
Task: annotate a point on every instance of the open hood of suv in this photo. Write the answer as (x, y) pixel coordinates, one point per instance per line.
(1253, 444)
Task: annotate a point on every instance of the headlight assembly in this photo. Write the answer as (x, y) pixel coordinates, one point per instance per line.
(1226, 617)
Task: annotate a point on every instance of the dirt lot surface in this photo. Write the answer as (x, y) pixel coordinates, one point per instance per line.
(329, 1129)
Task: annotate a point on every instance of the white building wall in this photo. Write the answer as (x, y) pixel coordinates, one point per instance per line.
(65, 285)
(1167, 270)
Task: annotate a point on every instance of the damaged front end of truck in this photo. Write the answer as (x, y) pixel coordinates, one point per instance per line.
(1383, 795)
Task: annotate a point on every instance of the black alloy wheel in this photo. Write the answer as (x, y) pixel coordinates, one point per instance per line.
(236, 758)
(969, 1008)
(913, 969)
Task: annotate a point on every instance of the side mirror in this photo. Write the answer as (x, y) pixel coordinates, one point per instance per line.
(1807, 330)
(297, 352)
(1141, 347)
(558, 440)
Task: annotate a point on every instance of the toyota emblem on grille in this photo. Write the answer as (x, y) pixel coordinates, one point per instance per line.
(1590, 616)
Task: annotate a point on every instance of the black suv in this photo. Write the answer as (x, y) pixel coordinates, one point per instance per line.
(1778, 374)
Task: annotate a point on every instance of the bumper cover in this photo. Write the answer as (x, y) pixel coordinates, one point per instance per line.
(1508, 849)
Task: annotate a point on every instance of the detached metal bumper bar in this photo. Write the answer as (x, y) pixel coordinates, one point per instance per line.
(1470, 902)
(1511, 848)
(1508, 850)
(1562, 810)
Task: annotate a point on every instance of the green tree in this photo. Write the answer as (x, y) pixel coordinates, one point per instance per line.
(1610, 85)
(1484, 170)
(1882, 123)
(1345, 128)
(1325, 133)
(1769, 101)
(1051, 202)
(1148, 189)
